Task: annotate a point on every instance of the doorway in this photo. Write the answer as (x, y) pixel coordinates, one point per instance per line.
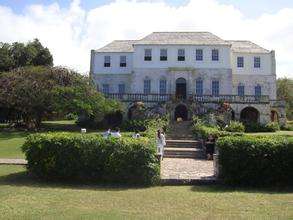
(181, 88)
(181, 112)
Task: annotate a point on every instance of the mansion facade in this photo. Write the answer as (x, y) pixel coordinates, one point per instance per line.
(187, 73)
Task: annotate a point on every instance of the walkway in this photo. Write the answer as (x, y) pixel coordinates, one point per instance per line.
(178, 170)
(13, 162)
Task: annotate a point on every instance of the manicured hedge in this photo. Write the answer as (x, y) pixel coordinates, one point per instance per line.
(251, 160)
(68, 156)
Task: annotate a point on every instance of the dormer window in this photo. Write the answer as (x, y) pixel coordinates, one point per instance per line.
(148, 54)
(122, 61)
(215, 55)
(181, 55)
(107, 61)
(163, 55)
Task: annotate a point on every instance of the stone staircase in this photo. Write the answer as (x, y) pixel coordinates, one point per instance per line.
(180, 142)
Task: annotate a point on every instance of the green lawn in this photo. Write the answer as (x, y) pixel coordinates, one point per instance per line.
(24, 198)
(11, 142)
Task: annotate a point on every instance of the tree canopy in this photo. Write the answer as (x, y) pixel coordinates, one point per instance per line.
(30, 93)
(285, 92)
(19, 55)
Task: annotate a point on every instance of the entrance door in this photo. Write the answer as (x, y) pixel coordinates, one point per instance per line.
(181, 88)
(181, 112)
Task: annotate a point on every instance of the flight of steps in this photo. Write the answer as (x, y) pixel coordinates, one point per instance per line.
(180, 142)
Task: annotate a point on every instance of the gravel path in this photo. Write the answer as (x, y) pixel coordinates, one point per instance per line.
(186, 169)
(13, 162)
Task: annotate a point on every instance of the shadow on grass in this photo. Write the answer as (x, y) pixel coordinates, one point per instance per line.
(23, 178)
(221, 188)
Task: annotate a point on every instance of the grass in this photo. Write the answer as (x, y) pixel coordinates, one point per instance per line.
(22, 197)
(11, 141)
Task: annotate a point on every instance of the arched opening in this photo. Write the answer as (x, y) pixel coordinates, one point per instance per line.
(274, 116)
(249, 114)
(181, 88)
(181, 112)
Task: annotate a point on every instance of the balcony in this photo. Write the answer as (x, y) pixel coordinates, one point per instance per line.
(135, 97)
(278, 103)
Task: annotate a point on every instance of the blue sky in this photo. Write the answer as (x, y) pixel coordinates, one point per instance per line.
(250, 8)
(71, 28)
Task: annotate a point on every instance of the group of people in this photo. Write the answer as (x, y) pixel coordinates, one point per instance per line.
(116, 133)
(160, 139)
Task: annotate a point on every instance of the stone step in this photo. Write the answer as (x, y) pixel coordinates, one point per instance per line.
(183, 153)
(183, 144)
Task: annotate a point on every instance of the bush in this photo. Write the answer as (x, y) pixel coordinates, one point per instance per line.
(256, 127)
(235, 126)
(251, 160)
(135, 125)
(71, 116)
(67, 156)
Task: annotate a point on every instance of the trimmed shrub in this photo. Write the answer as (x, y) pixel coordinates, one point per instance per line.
(256, 160)
(272, 127)
(68, 156)
(235, 126)
(256, 127)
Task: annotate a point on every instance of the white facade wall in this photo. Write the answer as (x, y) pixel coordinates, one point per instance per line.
(190, 61)
(225, 70)
(98, 63)
(266, 67)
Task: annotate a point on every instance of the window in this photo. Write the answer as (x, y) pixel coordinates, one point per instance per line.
(122, 61)
(181, 55)
(240, 62)
(148, 54)
(107, 61)
(121, 88)
(199, 87)
(105, 88)
(147, 86)
(241, 90)
(163, 55)
(257, 90)
(215, 88)
(256, 62)
(199, 54)
(163, 86)
(215, 55)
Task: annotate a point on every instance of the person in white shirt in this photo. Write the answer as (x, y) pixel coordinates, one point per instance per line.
(116, 133)
(107, 133)
(161, 142)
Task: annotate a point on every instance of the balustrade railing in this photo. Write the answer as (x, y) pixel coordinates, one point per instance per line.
(132, 97)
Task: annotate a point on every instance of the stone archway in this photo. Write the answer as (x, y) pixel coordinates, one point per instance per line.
(181, 112)
(249, 114)
(181, 88)
(274, 116)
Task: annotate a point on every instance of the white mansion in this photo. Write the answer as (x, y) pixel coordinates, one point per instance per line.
(188, 70)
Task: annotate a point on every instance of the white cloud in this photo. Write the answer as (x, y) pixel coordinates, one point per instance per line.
(71, 33)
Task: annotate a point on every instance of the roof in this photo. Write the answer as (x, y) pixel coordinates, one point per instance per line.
(246, 47)
(118, 46)
(182, 38)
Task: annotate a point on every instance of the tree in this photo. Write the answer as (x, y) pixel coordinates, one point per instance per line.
(19, 55)
(33, 92)
(285, 92)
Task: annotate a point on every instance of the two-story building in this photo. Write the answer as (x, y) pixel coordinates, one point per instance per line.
(188, 70)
